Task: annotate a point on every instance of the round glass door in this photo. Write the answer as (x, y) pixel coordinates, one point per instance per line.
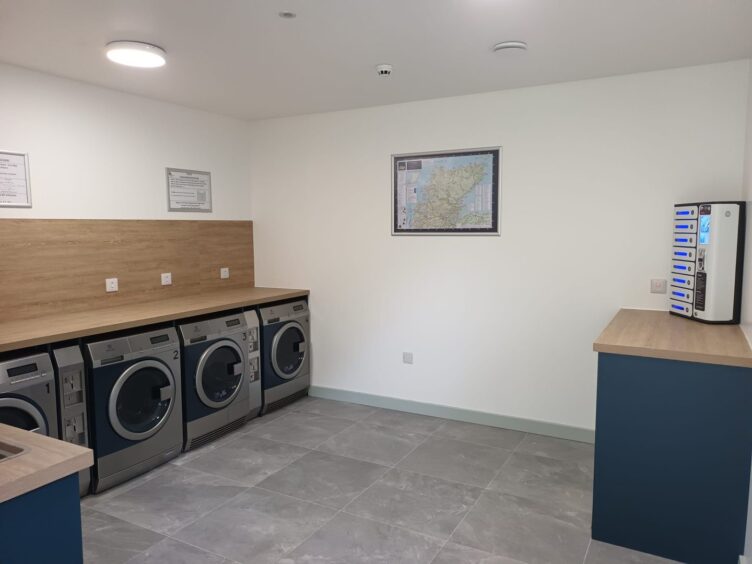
(141, 400)
(219, 374)
(22, 414)
(289, 350)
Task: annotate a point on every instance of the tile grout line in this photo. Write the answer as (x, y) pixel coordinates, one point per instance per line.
(475, 503)
(342, 510)
(393, 466)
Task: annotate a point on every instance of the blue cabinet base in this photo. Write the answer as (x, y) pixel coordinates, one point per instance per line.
(672, 457)
(43, 526)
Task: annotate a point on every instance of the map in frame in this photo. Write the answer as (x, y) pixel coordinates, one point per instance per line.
(446, 193)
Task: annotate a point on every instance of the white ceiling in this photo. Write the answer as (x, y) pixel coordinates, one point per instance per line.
(237, 57)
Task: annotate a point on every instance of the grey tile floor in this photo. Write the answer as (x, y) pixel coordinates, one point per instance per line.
(330, 482)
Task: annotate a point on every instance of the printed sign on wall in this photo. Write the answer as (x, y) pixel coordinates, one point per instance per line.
(15, 190)
(188, 190)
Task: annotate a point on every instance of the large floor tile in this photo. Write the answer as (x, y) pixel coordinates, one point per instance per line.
(457, 554)
(514, 527)
(302, 429)
(247, 459)
(603, 553)
(415, 501)
(410, 422)
(327, 479)
(320, 406)
(481, 434)
(111, 540)
(373, 442)
(457, 461)
(257, 527)
(566, 486)
(170, 551)
(171, 500)
(561, 449)
(351, 540)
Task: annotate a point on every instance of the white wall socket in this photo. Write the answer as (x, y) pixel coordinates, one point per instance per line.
(111, 284)
(658, 286)
(224, 272)
(407, 357)
(167, 279)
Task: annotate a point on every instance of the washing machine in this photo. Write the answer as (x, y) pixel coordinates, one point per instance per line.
(285, 368)
(136, 412)
(216, 377)
(72, 410)
(27, 393)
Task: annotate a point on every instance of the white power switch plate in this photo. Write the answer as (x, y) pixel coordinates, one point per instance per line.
(111, 284)
(407, 357)
(167, 279)
(658, 286)
(224, 272)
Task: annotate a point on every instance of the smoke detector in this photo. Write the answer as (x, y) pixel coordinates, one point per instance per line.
(384, 70)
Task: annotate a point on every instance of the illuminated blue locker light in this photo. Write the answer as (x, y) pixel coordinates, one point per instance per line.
(680, 267)
(681, 253)
(680, 308)
(680, 294)
(681, 240)
(683, 212)
(683, 226)
(679, 280)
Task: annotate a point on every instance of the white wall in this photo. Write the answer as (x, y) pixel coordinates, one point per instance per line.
(97, 153)
(497, 324)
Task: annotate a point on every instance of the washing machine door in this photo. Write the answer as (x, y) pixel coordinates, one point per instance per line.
(141, 400)
(22, 414)
(289, 350)
(219, 374)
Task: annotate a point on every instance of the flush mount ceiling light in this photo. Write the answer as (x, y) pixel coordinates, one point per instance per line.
(136, 54)
(287, 15)
(512, 45)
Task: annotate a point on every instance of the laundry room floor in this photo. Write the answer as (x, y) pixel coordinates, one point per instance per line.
(338, 483)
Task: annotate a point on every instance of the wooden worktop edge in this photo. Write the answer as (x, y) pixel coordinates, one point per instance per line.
(30, 466)
(604, 343)
(96, 329)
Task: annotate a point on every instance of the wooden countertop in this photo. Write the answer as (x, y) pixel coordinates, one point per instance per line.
(657, 334)
(43, 461)
(59, 327)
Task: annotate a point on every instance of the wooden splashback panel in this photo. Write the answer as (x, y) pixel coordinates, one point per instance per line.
(60, 265)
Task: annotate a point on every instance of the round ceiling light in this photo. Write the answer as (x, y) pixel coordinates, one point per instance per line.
(514, 45)
(136, 54)
(287, 15)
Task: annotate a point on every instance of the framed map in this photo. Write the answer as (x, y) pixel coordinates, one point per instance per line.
(446, 193)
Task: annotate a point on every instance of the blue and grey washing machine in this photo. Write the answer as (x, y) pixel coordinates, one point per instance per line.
(27, 393)
(136, 411)
(220, 388)
(285, 372)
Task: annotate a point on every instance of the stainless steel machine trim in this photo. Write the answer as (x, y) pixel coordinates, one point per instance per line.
(29, 408)
(275, 343)
(200, 370)
(115, 392)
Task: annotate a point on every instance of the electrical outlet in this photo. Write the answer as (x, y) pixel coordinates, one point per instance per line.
(111, 284)
(224, 272)
(407, 358)
(658, 286)
(167, 279)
